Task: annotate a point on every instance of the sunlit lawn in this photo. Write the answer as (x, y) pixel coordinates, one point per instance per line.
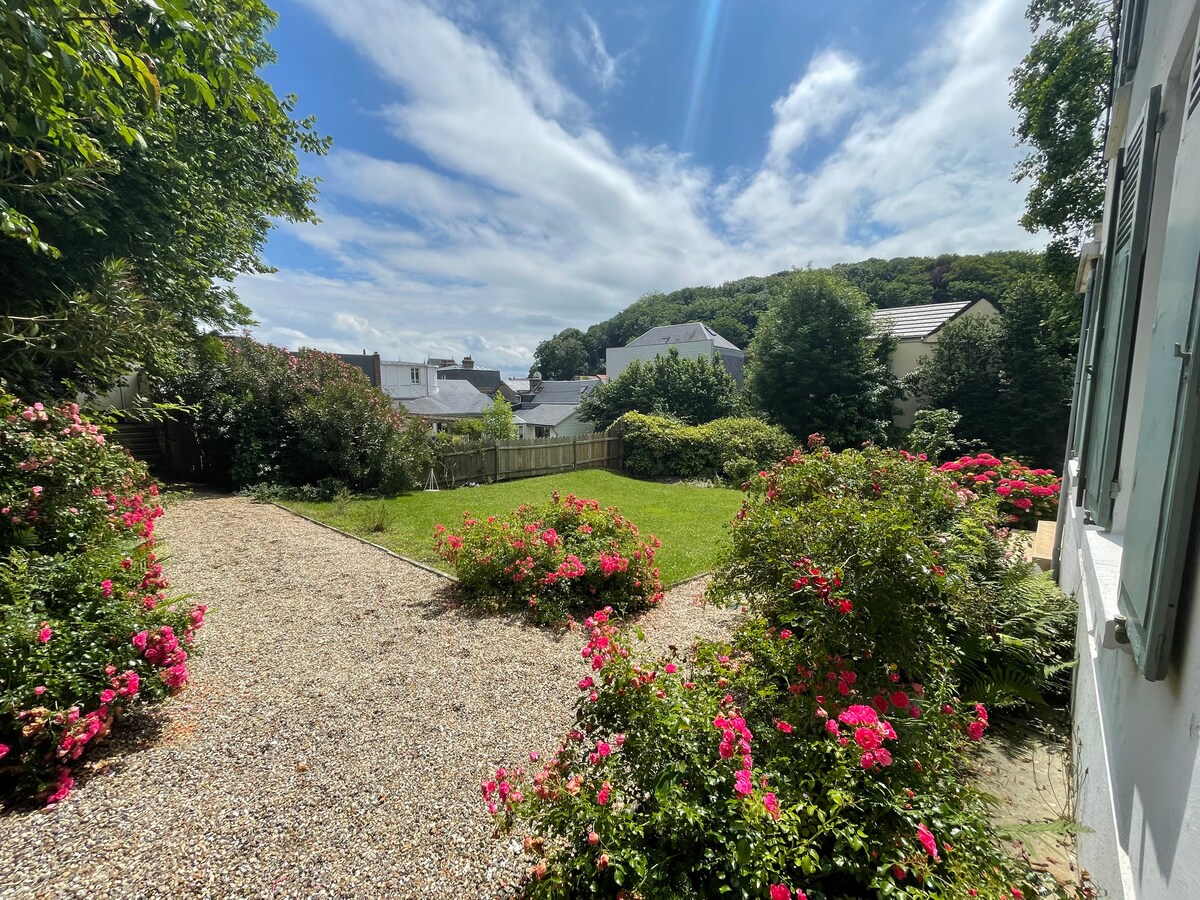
(689, 520)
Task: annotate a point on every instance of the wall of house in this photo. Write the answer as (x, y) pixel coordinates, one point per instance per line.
(397, 383)
(573, 426)
(617, 359)
(1136, 743)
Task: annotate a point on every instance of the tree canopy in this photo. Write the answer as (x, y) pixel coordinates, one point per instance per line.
(695, 391)
(139, 135)
(818, 365)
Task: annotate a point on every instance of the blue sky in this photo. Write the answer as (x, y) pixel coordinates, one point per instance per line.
(503, 169)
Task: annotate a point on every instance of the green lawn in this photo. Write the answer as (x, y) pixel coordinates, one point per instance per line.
(690, 521)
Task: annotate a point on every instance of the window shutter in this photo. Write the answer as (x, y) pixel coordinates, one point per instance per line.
(1162, 499)
(1133, 22)
(1110, 374)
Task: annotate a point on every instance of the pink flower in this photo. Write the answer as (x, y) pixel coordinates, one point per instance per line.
(900, 699)
(784, 635)
(62, 787)
(925, 836)
(139, 639)
(743, 783)
(772, 805)
(106, 587)
(107, 696)
(784, 727)
(975, 730)
(603, 749)
(883, 756)
(44, 634)
(602, 796)
(39, 690)
(859, 715)
(4, 748)
(781, 892)
(669, 668)
(867, 738)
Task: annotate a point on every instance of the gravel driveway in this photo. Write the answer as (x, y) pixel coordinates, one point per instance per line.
(333, 737)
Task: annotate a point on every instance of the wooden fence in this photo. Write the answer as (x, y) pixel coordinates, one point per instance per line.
(506, 460)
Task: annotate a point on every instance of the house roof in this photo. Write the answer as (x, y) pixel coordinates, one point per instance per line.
(452, 398)
(486, 380)
(568, 392)
(520, 385)
(547, 414)
(688, 333)
(915, 322)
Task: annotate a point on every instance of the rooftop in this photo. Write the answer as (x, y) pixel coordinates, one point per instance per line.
(915, 322)
(452, 398)
(550, 414)
(688, 333)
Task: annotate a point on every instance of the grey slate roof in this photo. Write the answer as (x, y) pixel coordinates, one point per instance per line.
(550, 414)
(915, 322)
(568, 392)
(681, 334)
(485, 380)
(452, 398)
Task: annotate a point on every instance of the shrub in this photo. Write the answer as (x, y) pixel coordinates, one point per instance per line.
(724, 448)
(1025, 495)
(267, 416)
(86, 625)
(932, 433)
(557, 558)
(820, 753)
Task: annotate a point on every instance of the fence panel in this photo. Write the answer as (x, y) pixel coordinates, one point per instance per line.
(507, 460)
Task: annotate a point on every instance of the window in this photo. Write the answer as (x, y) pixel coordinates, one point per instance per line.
(414, 374)
(541, 431)
(1132, 27)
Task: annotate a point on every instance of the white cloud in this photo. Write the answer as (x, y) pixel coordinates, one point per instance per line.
(589, 49)
(528, 218)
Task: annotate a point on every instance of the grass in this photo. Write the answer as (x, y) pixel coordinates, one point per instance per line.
(690, 521)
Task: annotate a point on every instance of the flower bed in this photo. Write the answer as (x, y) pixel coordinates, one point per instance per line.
(1025, 495)
(819, 754)
(87, 627)
(557, 558)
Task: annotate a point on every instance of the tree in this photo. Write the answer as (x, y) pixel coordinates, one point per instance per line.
(1005, 377)
(1060, 91)
(817, 364)
(694, 391)
(562, 357)
(174, 158)
(498, 421)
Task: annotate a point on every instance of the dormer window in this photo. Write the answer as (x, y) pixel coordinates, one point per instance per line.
(414, 374)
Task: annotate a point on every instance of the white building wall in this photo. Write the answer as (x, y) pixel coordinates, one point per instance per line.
(573, 426)
(396, 379)
(617, 359)
(1136, 743)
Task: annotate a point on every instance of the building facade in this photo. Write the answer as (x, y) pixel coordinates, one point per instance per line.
(693, 340)
(1127, 541)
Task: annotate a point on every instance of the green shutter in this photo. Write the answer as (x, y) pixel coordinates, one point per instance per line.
(1162, 498)
(1110, 374)
(1133, 24)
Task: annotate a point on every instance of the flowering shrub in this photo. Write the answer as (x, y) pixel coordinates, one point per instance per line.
(265, 416)
(1025, 495)
(87, 627)
(560, 557)
(820, 753)
(729, 448)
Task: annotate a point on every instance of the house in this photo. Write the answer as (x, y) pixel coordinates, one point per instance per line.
(416, 387)
(550, 408)
(1127, 544)
(693, 340)
(487, 381)
(916, 329)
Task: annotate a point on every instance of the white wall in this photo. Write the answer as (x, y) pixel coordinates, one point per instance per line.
(396, 380)
(617, 359)
(1137, 743)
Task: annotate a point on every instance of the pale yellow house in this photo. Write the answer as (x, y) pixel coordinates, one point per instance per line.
(916, 329)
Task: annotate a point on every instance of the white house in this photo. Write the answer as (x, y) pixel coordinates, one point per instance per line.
(1128, 544)
(693, 340)
(916, 330)
(408, 380)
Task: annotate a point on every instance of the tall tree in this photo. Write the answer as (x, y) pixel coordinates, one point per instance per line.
(818, 365)
(563, 356)
(694, 391)
(499, 423)
(145, 134)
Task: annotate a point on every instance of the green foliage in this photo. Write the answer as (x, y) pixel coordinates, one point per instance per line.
(823, 749)
(694, 391)
(932, 434)
(1060, 91)
(563, 357)
(141, 132)
(731, 448)
(86, 626)
(265, 415)
(817, 364)
(497, 422)
(1006, 377)
(557, 558)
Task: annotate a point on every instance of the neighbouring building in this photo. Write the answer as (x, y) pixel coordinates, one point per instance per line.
(1128, 544)
(916, 330)
(486, 381)
(693, 340)
(416, 388)
(550, 408)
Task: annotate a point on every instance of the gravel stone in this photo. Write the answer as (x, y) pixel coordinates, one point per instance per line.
(333, 737)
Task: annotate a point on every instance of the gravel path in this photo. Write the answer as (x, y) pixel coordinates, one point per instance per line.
(334, 735)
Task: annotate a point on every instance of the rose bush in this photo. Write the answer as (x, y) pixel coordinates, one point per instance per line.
(821, 753)
(87, 627)
(557, 558)
(1024, 495)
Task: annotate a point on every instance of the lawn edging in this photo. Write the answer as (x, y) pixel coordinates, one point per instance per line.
(362, 540)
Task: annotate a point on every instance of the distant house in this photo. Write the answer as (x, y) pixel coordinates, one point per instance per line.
(486, 381)
(916, 330)
(550, 408)
(367, 363)
(693, 340)
(416, 388)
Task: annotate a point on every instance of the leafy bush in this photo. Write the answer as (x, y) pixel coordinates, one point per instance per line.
(932, 433)
(732, 449)
(821, 753)
(86, 625)
(1025, 495)
(265, 415)
(557, 558)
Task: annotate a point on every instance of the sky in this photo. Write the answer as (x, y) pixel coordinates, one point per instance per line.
(504, 169)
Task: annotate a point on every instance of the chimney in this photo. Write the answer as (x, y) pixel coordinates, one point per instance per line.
(535, 381)
(468, 363)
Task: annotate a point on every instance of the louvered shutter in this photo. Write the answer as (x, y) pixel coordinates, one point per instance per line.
(1162, 498)
(1110, 374)
(1090, 338)
(1133, 22)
